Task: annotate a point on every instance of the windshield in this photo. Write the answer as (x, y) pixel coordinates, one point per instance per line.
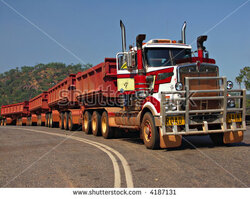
(165, 56)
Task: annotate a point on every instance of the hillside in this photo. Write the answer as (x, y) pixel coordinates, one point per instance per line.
(20, 84)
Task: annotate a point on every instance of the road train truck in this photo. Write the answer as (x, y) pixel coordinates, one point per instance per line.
(159, 88)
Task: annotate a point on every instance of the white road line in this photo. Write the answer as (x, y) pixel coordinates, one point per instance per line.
(106, 149)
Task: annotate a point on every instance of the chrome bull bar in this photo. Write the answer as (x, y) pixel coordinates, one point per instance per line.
(222, 111)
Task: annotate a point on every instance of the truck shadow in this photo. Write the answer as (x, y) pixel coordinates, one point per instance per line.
(188, 142)
(204, 141)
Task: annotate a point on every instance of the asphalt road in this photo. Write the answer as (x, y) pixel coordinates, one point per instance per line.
(44, 157)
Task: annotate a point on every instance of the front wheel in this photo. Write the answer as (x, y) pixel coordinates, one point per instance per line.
(150, 133)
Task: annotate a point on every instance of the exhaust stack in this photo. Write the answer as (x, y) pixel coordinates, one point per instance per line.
(200, 46)
(183, 32)
(123, 31)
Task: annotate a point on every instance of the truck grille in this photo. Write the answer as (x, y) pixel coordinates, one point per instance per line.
(203, 84)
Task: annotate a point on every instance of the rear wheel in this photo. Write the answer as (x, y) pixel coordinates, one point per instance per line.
(107, 132)
(96, 123)
(71, 125)
(47, 120)
(66, 121)
(61, 126)
(51, 123)
(86, 122)
(39, 120)
(29, 121)
(150, 133)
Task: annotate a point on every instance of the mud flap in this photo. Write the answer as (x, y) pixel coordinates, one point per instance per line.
(233, 137)
(169, 141)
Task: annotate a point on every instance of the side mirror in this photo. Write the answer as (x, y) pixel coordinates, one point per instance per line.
(131, 57)
(127, 60)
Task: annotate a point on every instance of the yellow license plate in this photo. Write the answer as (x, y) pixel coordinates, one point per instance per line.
(175, 120)
(234, 117)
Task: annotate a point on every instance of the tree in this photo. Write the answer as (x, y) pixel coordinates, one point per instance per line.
(20, 84)
(244, 77)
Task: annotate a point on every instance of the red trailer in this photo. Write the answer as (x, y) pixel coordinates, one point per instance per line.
(64, 109)
(15, 113)
(38, 107)
(97, 84)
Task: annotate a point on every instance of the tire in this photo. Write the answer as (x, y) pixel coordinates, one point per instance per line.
(107, 132)
(66, 121)
(29, 121)
(96, 123)
(51, 124)
(71, 125)
(217, 138)
(149, 132)
(47, 120)
(86, 122)
(39, 120)
(61, 126)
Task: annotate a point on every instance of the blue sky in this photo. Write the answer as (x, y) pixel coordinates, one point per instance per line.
(91, 31)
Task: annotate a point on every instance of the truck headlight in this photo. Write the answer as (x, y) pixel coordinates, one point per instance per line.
(173, 107)
(230, 85)
(230, 103)
(178, 86)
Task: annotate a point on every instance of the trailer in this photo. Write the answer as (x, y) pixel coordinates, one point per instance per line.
(38, 106)
(15, 114)
(64, 109)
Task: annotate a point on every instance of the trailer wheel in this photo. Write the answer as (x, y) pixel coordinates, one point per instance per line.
(39, 120)
(51, 123)
(61, 126)
(86, 122)
(217, 138)
(28, 121)
(96, 123)
(47, 120)
(150, 133)
(107, 132)
(71, 125)
(66, 121)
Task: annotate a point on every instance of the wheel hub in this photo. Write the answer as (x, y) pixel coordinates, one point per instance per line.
(104, 124)
(147, 131)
